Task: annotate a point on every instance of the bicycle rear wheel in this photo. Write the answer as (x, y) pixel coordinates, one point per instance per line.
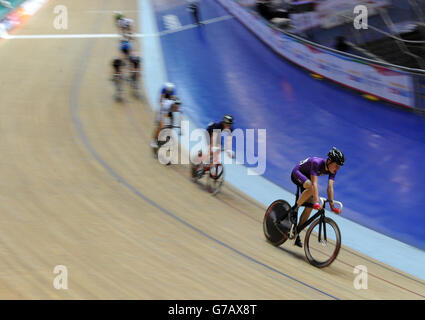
(216, 178)
(322, 242)
(277, 210)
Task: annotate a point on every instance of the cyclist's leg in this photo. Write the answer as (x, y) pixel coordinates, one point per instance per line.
(306, 196)
(136, 79)
(160, 126)
(305, 215)
(133, 78)
(154, 141)
(215, 144)
(306, 192)
(120, 77)
(210, 156)
(306, 186)
(117, 83)
(171, 118)
(203, 158)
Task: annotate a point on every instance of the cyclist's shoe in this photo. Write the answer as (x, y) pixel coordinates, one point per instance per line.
(298, 242)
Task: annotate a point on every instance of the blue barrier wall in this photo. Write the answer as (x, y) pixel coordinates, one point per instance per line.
(223, 68)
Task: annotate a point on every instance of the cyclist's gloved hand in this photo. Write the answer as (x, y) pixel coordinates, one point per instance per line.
(336, 210)
(317, 206)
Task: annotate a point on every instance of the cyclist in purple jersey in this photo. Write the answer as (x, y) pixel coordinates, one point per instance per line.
(305, 176)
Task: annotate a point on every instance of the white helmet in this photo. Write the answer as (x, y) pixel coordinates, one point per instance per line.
(169, 86)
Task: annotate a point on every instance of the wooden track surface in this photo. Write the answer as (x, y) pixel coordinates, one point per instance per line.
(79, 187)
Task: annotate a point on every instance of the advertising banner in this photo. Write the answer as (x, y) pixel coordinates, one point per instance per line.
(328, 13)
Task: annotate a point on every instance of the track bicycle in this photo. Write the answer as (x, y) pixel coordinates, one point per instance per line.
(322, 240)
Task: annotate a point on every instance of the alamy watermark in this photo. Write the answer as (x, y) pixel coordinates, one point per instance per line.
(61, 20)
(360, 281)
(60, 282)
(250, 147)
(361, 17)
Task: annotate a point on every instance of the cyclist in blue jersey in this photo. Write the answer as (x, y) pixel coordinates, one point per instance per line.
(125, 48)
(305, 176)
(215, 130)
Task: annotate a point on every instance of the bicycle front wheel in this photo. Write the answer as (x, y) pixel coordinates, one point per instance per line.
(322, 242)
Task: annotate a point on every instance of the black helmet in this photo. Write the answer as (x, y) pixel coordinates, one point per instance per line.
(228, 119)
(337, 156)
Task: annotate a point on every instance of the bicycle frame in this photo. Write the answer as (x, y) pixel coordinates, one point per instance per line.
(320, 213)
(213, 158)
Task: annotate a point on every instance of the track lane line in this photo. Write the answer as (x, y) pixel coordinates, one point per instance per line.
(81, 133)
(141, 133)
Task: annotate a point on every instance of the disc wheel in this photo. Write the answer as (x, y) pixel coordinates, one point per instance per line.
(277, 210)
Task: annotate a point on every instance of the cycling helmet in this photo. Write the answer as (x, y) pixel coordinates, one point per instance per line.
(169, 86)
(337, 156)
(118, 15)
(228, 119)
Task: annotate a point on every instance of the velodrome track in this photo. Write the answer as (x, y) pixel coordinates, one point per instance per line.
(80, 188)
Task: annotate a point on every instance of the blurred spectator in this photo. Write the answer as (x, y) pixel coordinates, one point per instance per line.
(341, 44)
(269, 10)
(264, 9)
(193, 6)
